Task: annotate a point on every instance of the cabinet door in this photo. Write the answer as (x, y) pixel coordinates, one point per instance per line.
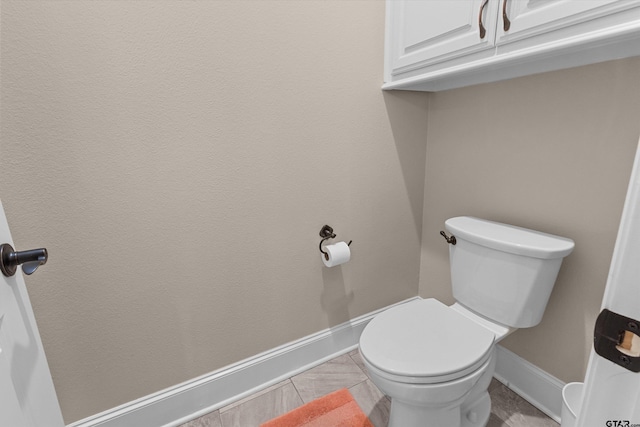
(424, 32)
(549, 20)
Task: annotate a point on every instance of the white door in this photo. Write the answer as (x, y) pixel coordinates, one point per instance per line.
(27, 395)
(612, 393)
(422, 32)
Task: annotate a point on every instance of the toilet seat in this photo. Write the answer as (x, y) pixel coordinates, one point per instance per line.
(425, 342)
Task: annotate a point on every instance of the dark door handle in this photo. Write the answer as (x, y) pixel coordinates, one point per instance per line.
(30, 260)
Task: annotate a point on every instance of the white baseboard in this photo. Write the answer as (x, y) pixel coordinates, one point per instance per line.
(186, 401)
(539, 388)
(183, 402)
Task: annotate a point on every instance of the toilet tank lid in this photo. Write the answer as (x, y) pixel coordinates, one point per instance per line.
(509, 238)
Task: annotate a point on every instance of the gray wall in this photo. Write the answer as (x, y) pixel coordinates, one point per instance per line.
(178, 160)
(552, 152)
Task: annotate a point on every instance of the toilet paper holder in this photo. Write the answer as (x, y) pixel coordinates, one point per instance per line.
(326, 232)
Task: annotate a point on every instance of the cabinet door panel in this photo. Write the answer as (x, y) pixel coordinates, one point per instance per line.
(529, 18)
(424, 32)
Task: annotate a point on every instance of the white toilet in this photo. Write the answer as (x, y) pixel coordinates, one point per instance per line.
(436, 362)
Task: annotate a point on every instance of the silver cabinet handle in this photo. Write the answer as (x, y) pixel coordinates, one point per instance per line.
(30, 260)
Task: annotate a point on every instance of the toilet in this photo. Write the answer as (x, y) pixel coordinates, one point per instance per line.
(435, 361)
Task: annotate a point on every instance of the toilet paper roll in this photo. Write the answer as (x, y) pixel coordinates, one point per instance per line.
(339, 253)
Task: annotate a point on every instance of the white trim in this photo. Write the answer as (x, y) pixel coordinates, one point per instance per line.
(539, 388)
(186, 401)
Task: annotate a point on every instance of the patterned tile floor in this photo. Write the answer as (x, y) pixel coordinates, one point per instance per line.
(347, 371)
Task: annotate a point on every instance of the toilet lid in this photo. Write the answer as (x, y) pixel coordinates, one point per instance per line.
(425, 339)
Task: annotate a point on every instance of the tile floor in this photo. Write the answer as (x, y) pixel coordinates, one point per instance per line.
(347, 371)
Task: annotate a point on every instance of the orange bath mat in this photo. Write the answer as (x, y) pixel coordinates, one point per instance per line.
(337, 409)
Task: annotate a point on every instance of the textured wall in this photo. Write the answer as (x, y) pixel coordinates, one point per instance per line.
(178, 160)
(552, 152)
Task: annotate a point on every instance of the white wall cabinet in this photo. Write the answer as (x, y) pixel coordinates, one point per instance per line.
(420, 37)
(441, 44)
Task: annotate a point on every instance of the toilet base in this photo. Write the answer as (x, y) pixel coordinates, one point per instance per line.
(475, 414)
(403, 415)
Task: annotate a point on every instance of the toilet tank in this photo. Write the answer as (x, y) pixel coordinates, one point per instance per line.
(502, 272)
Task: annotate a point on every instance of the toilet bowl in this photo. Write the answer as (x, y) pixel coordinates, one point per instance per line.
(439, 371)
(435, 361)
(461, 402)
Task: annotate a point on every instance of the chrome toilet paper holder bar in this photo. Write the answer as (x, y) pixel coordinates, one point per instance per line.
(326, 232)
